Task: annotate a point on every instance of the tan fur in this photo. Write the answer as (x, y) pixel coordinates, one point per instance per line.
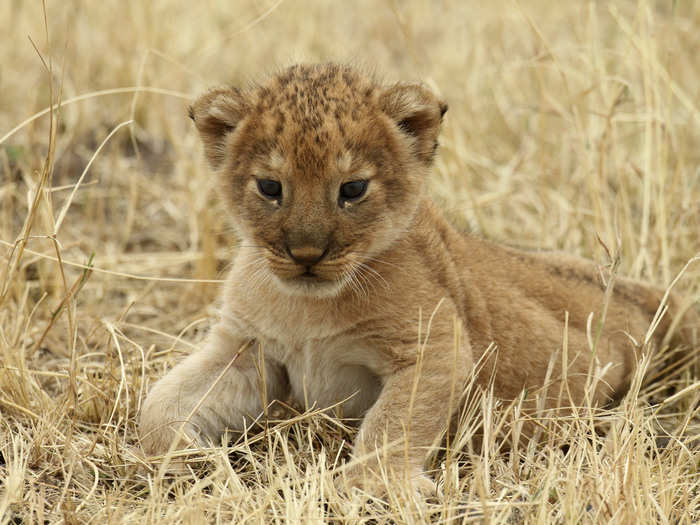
(400, 307)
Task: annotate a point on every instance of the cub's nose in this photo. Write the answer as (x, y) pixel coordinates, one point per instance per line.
(306, 255)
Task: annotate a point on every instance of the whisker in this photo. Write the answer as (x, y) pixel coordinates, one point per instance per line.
(347, 278)
(368, 257)
(259, 278)
(257, 261)
(367, 285)
(373, 277)
(360, 282)
(373, 272)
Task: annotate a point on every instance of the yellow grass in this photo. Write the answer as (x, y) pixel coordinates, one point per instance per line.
(568, 121)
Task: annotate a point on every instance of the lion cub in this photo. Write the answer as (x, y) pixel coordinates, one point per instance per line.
(350, 285)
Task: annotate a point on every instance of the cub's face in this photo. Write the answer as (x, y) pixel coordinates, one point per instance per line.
(322, 168)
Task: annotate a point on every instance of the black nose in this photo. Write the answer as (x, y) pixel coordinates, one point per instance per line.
(306, 255)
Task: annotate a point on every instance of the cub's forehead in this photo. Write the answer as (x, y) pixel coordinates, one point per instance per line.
(319, 90)
(312, 116)
(342, 161)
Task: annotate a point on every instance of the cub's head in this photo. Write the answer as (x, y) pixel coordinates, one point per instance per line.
(322, 169)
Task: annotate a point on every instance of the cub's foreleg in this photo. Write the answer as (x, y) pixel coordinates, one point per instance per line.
(413, 410)
(214, 389)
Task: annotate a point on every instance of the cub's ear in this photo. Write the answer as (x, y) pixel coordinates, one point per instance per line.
(216, 113)
(418, 113)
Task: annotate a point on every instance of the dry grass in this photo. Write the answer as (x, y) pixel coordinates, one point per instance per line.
(567, 121)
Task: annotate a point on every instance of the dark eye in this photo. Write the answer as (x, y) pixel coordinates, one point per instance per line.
(353, 190)
(270, 188)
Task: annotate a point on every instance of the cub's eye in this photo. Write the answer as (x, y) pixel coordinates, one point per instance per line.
(351, 191)
(270, 188)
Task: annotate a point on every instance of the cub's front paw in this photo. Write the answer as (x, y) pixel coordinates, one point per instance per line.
(371, 481)
(159, 440)
(169, 446)
(159, 435)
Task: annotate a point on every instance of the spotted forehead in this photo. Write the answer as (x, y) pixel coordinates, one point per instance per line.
(319, 88)
(312, 110)
(309, 96)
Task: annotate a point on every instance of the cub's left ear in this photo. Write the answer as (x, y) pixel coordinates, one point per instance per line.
(418, 113)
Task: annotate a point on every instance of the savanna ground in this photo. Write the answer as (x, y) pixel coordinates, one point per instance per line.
(572, 125)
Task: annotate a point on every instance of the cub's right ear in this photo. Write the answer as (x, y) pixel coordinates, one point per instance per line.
(216, 113)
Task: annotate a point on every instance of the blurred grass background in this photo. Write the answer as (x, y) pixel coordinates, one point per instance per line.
(568, 122)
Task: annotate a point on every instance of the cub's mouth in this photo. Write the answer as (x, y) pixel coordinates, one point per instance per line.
(311, 281)
(309, 275)
(315, 274)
